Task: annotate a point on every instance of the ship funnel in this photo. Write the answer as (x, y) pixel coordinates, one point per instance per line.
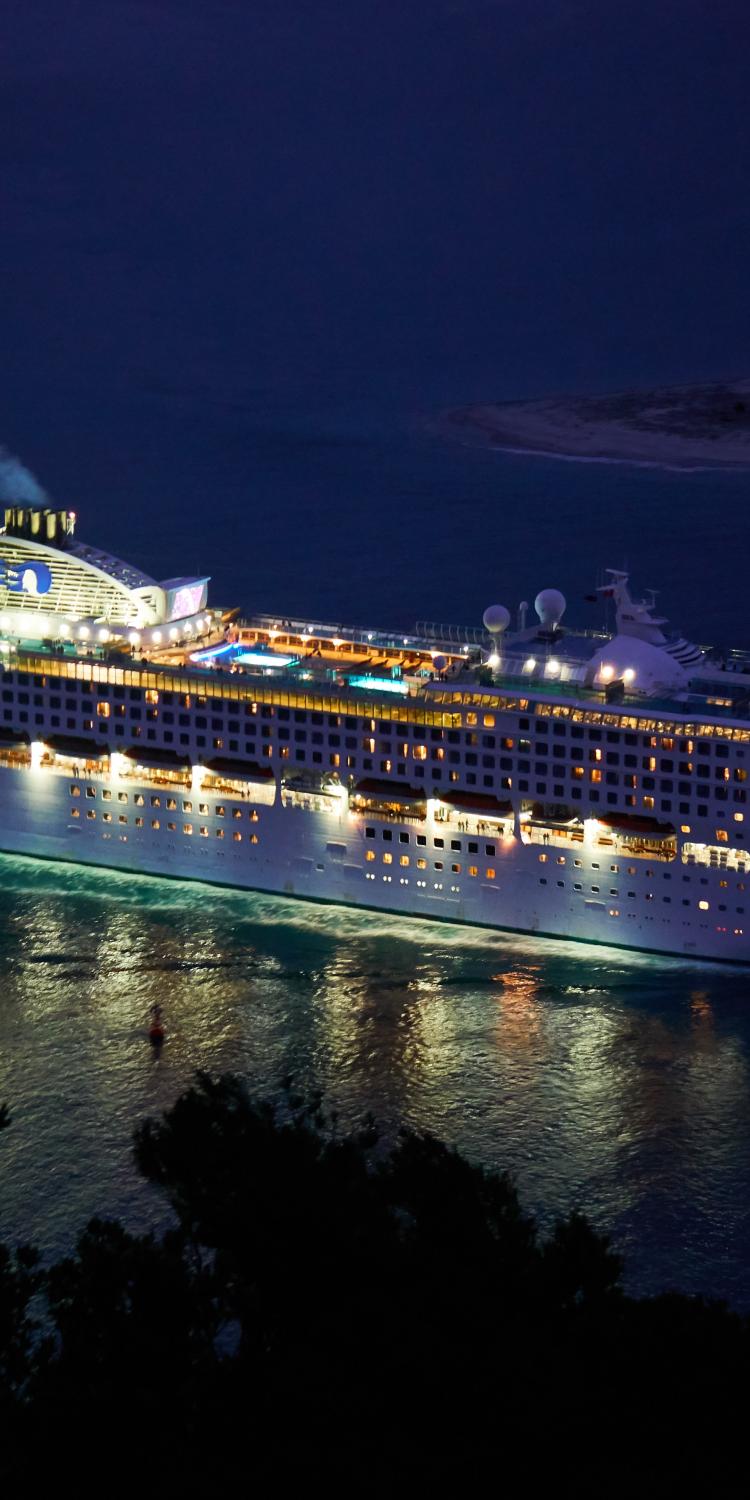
(33, 521)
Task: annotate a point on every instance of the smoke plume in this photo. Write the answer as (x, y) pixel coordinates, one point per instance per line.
(17, 484)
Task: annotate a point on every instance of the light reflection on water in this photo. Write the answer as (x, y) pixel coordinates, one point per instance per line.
(615, 1083)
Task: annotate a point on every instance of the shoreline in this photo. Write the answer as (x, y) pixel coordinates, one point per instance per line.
(561, 455)
(686, 429)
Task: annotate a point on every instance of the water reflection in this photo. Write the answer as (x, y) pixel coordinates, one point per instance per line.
(618, 1084)
(519, 1009)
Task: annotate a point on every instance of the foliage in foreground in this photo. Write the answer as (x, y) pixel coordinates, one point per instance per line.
(312, 1308)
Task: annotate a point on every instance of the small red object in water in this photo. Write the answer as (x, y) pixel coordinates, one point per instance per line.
(156, 1027)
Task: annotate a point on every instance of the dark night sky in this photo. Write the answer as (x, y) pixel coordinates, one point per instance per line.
(238, 240)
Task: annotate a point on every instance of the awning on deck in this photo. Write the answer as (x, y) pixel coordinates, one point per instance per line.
(13, 739)
(238, 770)
(649, 828)
(163, 760)
(390, 791)
(479, 802)
(76, 747)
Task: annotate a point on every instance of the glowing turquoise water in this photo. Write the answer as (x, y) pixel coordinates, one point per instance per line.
(616, 1083)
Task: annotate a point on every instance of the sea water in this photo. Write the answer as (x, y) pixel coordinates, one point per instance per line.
(614, 1083)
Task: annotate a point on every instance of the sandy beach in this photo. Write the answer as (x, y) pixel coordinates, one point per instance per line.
(680, 427)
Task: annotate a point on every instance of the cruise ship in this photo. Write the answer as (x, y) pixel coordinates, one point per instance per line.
(518, 774)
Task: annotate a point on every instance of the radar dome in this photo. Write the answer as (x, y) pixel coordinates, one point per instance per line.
(550, 607)
(496, 618)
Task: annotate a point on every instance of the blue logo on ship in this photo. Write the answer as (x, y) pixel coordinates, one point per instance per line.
(26, 577)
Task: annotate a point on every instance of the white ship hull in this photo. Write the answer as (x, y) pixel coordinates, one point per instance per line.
(546, 888)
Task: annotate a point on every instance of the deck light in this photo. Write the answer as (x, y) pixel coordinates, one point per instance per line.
(529, 664)
(260, 659)
(628, 675)
(382, 684)
(117, 764)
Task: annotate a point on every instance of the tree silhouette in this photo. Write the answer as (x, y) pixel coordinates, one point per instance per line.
(323, 1302)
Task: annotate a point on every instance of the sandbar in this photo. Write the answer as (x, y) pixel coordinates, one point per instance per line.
(703, 426)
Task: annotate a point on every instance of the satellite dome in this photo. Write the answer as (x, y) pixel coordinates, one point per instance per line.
(496, 618)
(550, 607)
(643, 668)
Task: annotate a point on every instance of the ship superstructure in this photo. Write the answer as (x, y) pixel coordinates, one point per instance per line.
(586, 784)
